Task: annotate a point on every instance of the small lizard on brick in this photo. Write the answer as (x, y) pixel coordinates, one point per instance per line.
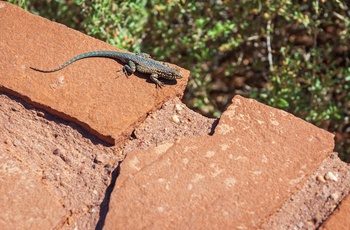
(142, 63)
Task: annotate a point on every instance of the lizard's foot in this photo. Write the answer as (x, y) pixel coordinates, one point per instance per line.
(125, 71)
(154, 78)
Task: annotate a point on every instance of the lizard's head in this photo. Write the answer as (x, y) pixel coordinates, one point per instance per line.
(176, 74)
(170, 72)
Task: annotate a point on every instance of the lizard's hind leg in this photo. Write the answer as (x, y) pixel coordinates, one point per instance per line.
(129, 68)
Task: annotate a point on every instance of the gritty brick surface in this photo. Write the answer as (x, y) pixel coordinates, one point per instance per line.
(173, 121)
(59, 167)
(316, 200)
(236, 178)
(90, 92)
(71, 166)
(19, 190)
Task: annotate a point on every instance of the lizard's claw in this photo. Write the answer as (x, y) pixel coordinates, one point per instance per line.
(124, 71)
(154, 78)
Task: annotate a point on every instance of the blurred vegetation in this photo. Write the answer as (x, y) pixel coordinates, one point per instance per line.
(292, 55)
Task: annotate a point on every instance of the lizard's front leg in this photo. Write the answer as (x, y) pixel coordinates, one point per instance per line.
(154, 78)
(129, 68)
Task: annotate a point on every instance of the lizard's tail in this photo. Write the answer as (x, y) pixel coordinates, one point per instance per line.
(54, 70)
(76, 58)
(46, 71)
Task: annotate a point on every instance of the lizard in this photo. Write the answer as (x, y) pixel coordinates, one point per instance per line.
(140, 62)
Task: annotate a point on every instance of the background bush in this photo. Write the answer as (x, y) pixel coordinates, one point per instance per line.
(290, 55)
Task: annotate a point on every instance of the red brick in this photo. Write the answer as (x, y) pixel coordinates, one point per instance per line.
(90, 92)
(256, 159)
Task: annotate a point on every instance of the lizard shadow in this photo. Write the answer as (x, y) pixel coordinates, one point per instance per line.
(148, 80)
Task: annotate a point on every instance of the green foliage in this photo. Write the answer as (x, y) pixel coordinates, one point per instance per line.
(310, 78)
(117, 22)
(289, 54)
